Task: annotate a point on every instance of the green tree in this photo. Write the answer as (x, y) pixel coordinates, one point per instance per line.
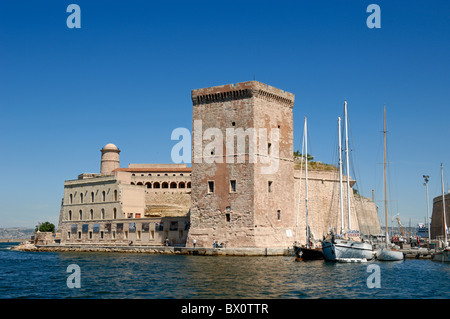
(309, 157)
(45, 227)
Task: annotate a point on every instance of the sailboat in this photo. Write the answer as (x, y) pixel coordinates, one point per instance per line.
(387, 252)
(308, 251)
(341, 248)
(443, 255)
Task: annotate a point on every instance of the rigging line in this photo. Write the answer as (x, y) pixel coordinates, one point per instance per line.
(358, 183)
(355, 163)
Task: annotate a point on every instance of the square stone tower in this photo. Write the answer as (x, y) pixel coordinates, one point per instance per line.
(242, 166)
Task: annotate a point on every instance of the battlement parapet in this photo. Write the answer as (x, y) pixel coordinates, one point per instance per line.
(243, 90)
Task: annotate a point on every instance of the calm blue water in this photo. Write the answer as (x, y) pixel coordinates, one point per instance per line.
(130, 276)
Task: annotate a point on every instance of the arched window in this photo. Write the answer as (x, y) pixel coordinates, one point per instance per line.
(104, 196)
(148, 184)
(114, 213)
(70, 198)
(156, 185)
(165, 185)
(70, 215)
(181, 185)
(115, 195)
(189, 185)
(103, 213)
(81, 214)
(91, 214)
(81, 198)
(173, 185)
(132, 183)
(139, 183)
(92, 197)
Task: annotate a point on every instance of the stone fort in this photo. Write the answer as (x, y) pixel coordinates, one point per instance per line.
(234, 202)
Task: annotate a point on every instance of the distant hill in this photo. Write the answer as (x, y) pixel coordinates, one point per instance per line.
(16, 233)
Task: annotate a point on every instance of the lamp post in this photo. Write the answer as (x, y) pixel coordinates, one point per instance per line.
(426, 178)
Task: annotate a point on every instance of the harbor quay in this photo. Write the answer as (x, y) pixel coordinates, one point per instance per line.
(168, 250)
(409, 252)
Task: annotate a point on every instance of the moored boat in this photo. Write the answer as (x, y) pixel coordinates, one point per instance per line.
(337, 249)
(443, 255)
(387, 252)
(308, 251)
(305, 253)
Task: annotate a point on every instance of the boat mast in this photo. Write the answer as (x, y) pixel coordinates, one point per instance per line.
(299, 189)
(444, 223)
(347, 163)
(306, 184)
(341, 200)
(385, 188)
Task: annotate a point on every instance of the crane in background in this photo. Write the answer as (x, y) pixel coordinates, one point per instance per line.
(401, 226)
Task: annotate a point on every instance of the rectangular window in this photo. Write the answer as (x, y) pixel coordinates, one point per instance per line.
(101, 234)
(278, 214)
(228, 217)
(233, 186)
(269, 186)
(210, 187)
(68, 235)
(79, 235)
(90, 235)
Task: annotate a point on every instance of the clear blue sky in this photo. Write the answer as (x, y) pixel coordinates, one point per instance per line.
(125, 78)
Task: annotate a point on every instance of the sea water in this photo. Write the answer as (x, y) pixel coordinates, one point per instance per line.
(47, 275)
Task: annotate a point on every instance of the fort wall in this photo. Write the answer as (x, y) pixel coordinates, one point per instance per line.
(437, 220)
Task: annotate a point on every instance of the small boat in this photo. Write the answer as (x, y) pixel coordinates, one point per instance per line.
(444, 254)
(305, 253)
(337, 249)
(387, 252)
(308, 251)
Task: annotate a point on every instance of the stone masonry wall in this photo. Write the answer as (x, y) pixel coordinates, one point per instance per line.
(247, 217)
(324, 210)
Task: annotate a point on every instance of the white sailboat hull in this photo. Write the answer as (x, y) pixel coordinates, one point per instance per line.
(346, 249)
(442, 256)
(386, 254)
